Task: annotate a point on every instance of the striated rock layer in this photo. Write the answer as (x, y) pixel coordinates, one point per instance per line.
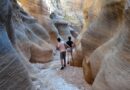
(22, 39)
(100, 30)
(114, 69)
(12, 72)
(39, 10)
(104, 45)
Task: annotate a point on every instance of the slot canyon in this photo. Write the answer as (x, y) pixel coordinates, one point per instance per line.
(30, 52)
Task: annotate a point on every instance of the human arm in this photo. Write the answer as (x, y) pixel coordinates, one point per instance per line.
(57, 47)
(66, 45)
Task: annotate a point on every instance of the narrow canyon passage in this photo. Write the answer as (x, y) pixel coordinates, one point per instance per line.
(71, 78)
(31, 31)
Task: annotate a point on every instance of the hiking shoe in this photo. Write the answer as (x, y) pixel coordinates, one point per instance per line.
(61, 68)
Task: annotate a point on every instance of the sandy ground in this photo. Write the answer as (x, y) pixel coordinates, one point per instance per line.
(52, 78)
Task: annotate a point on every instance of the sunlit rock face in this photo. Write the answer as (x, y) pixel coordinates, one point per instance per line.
(63, 27)
(73, 10)
(39, 10)
(58, 27)
(33, 45)
(78, 54)
(100, 29)
(70, 9)
(114, 70)
(34, 36)
(104, 45)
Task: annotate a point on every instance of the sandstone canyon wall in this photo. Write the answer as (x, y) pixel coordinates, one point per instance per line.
(71, 13)
(13, 72)
(22, 40)
(102, 47)
(39, 10)
(104, 44)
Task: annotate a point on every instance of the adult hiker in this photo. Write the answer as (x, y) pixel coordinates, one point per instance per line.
(70, 49)
(61, 47)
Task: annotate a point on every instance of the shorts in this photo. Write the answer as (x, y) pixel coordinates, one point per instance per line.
(62, 55)
(69, 49)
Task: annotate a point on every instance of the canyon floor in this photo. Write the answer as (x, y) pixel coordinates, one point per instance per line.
(71, 78)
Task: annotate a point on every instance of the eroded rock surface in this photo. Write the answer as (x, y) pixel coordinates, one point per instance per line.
(21, 42)
(104, 59)
(39, 10)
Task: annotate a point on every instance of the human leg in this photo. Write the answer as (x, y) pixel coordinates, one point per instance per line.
(62, 65)
(62, 60)
(68, 61)
(71, 53)
(67, 57)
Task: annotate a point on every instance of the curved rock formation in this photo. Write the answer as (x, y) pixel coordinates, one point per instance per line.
(29, 42)
(13, 73)
(103, 21)
(61, 25)
(100, 30)
(34, 35)
(115, 67)
(39, 10)
(88, 17)
(105, 46)
(77, 56)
